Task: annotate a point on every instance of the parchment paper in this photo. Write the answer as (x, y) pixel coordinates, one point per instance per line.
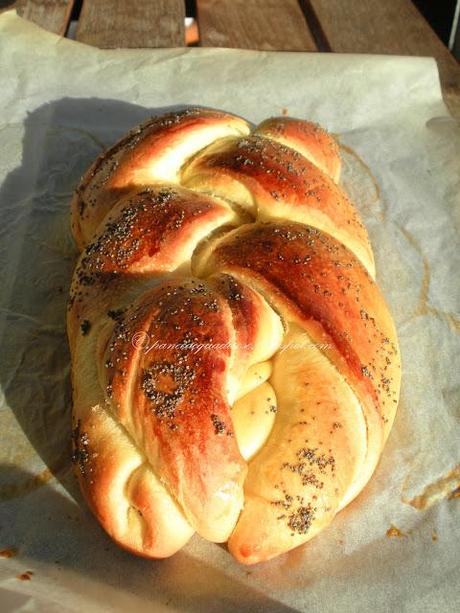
(61, 103)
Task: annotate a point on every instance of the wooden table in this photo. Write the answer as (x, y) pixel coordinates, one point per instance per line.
(342, 26)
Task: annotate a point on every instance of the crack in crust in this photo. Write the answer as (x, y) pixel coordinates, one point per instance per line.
(283, 284)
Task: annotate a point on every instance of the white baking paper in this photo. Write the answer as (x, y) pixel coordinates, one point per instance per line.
(62, 102)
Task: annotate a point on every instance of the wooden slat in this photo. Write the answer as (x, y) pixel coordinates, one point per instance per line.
(52, 15)
(254, 24)
(132, 23)
(387, 27)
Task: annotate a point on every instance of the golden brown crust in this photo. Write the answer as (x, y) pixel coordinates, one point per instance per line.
(151, 152)
(311, 458)
(311, 277)
(150, 232)
(307, 138)
(114, 476)
(171, 398)
(321, 280)
(282, 183)
(235, 368)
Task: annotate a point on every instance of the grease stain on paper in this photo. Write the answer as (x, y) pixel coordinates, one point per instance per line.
(423, 308)
(394, 532)
(445, 487)
(366, 169)
(365, 193)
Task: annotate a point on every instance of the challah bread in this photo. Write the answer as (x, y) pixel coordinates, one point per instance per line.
(235, 369)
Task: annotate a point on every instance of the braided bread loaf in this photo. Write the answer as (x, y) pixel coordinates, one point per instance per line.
(235, 368)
